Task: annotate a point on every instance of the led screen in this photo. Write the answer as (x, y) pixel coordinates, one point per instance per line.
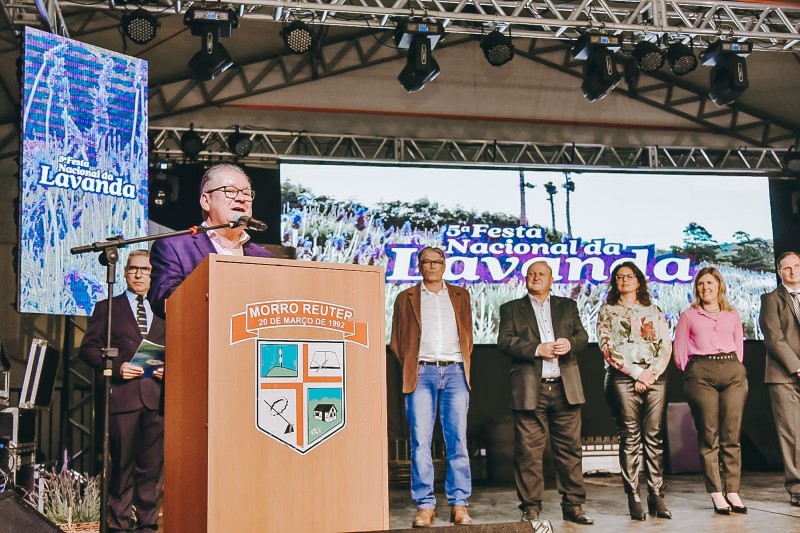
(493, 223)
(83, 169)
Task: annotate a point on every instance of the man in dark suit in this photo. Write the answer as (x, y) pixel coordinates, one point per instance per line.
(136, 428)
(780, 322)
(543, 335)
(225, 194)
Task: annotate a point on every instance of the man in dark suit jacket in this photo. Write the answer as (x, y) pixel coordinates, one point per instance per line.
(780, 322)
(225, 194)
(543, 335)
(136, 428)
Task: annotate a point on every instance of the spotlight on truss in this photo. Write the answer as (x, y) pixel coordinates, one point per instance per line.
(210, 25)
(419, 37)
(600, 74)
(728, 78)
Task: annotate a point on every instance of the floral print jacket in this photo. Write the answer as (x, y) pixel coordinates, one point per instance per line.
(633, 339)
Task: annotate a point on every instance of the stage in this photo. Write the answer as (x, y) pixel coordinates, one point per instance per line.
(763, 493)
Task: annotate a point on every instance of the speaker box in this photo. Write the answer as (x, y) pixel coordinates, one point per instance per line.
(19, 516)
(534, 526)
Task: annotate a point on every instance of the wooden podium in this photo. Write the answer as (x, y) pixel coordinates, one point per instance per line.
(276, 398)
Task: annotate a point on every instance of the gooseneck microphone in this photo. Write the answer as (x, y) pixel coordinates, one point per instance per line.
(250, 223)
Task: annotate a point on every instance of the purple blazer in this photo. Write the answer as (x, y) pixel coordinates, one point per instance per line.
(175, 258)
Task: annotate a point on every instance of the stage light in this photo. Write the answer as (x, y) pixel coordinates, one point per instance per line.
(419, 38)
(240, 144)
(140, 26)
(791, 161)
(210, 25)
(648, 56)
(497, 48)
(191, 143)
(681, 59)
(160, 192)
(298, 37)
(600, 74)
(728, 78)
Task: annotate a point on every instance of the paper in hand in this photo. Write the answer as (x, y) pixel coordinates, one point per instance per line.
(149, 356)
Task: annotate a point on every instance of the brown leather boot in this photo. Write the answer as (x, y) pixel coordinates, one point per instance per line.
(459, 516)
(424, 518)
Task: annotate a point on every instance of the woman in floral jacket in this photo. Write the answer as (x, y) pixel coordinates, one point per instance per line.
(634, 338)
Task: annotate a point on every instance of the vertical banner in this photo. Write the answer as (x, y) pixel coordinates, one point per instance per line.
(83, 175)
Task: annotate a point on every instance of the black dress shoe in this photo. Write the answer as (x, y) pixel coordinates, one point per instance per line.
(577, 514)
(741, 509)
(529, 513)
(795, 500)
(721, 510)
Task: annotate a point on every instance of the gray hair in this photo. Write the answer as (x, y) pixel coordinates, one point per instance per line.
(136, 253)
(215, 170)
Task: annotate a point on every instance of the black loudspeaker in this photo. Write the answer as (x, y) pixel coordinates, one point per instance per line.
(534, 526)
(19, 516)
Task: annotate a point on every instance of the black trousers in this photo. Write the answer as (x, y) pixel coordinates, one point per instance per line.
(137, 458)
(562, 421)
(639, 418)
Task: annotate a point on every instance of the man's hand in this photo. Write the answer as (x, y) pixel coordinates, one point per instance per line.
(547, 350)
(159, 373)
(129, 371)
(562, 346)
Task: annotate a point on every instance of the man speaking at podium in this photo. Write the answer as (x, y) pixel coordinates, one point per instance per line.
(226, 195)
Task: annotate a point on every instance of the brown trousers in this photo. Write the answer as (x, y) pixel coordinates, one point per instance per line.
(716, 387)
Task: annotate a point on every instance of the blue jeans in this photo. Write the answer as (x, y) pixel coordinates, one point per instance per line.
(444, 387)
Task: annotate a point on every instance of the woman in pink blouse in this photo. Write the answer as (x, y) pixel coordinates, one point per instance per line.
(709, 346)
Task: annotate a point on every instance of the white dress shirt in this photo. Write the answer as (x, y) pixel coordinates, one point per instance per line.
(220, 243)
(544, 320)
(439, 340)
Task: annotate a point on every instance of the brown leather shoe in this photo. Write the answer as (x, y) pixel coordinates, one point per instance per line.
(459, 516)
(424, 518)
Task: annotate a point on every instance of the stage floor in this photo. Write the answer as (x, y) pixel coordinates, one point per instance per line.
(763, 493)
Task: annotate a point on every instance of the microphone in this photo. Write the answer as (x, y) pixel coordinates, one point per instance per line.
(250, 223)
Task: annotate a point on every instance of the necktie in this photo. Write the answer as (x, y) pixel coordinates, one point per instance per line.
(141, 316)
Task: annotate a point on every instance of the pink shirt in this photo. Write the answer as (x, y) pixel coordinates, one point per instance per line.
(701, 333)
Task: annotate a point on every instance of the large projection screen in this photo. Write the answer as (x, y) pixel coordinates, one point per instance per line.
(83, 171)
(493, 223)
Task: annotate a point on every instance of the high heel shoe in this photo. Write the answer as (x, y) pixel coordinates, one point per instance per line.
(656, 506)
(721, 510)
(741, 509)
(635, 507)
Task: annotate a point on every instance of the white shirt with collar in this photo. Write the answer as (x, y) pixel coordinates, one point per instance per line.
(544, 320)
(220, 243)
(439, 340)
(135, 305)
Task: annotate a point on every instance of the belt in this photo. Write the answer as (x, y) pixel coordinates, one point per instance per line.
(437, 363)
(551, 380)
(721, 356)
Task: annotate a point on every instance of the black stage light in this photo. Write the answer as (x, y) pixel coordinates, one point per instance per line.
(191, 143)
(600, 74)
(240, 144)
(648, 56)
(728, 78)
(140, 26)
(160, 192)
(681, 59)
(419, 37)
(497, 48)
(298, 37)
(791, 161)
(210, 25)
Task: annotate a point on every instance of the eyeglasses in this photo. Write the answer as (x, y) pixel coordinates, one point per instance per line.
(428, 262)
(132, 270)
(623, 277)
(232, 192)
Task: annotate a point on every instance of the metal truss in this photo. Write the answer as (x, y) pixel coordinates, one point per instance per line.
(44, 14)
(771, 26)
(269, 147)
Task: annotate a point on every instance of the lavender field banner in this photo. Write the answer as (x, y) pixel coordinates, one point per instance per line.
(83, 172)
(492, 224)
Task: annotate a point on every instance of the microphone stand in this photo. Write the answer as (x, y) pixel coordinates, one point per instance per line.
(109, 255)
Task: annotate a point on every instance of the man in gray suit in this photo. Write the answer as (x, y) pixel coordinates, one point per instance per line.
(780, 322)
(543, 335)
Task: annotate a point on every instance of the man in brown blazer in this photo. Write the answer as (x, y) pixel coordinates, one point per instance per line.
(543, 335)
(432, 338)
(780, 322)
